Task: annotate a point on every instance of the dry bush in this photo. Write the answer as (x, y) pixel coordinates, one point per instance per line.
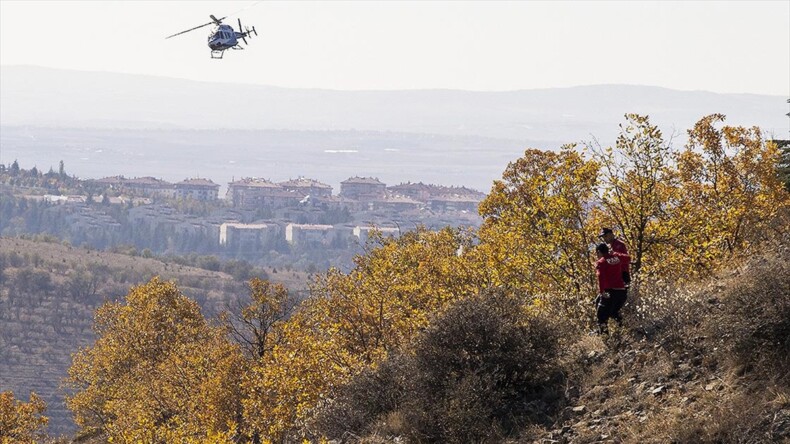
(657, 309)
(482, 370)
(359, 407)
(746, 419)
(753, 328)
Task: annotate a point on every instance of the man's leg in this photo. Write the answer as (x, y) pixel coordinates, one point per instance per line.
(618, 301)
(603, 313)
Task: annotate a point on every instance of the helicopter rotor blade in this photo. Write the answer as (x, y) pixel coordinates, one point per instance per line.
(191, 29)
(216, 20)
(242, 34)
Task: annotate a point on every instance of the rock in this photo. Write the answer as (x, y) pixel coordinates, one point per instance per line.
(659, 390)
(711, 386)
(781, 425)
(579, 408)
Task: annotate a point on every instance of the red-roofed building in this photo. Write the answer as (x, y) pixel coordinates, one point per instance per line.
(198, 189)
(262, 193)
(307, 187)
(363, 188)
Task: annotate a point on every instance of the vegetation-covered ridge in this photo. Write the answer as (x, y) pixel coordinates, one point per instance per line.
(50, 290)
(483, 336)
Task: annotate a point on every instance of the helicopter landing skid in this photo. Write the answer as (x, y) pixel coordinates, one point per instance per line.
(217, 54)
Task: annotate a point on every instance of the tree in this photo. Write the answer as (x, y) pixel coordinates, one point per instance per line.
(61, 170)
(638, 183)
(157, 372)
(253, 326)
(14, 169)
(731, 196)
(351, 322)
(784, 163)
(21, 422)
(536, 233)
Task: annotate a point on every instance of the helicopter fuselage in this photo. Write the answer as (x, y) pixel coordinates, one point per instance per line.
(222, 38)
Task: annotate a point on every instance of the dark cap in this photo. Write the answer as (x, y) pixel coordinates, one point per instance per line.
(602, 248)
(605, 231)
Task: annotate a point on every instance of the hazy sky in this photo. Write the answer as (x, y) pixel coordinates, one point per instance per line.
(727, 46)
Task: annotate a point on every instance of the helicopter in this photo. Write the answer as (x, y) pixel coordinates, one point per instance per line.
(222, 37)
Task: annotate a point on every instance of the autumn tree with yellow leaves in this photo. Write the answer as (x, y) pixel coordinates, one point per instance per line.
(731, 196)
(21, 422)
(537, 228)
(254, 326)
(681, 214)
(352, 321)
(637, 188)
(158, 372)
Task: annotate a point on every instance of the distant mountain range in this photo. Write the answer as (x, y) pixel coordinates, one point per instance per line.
(105, 124)
(47, 97)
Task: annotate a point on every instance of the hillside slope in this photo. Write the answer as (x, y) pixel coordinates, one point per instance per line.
(709, 364)
(48, 295)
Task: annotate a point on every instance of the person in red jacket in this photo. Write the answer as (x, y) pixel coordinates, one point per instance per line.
(617, 246)
(611, 287)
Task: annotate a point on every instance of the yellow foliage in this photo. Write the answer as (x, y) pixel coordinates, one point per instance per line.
(638, 187)
(537, 232)
(21, 422)
(353, 320)
(157, 372)
(730, 197)
(254, 327)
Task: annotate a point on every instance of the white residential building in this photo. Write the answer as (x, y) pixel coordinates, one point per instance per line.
(299, 234)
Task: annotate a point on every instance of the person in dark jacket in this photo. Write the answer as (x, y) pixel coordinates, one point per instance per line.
(611, 287)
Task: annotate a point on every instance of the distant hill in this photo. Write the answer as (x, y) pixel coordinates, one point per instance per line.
(43, 96)
(48, 295)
